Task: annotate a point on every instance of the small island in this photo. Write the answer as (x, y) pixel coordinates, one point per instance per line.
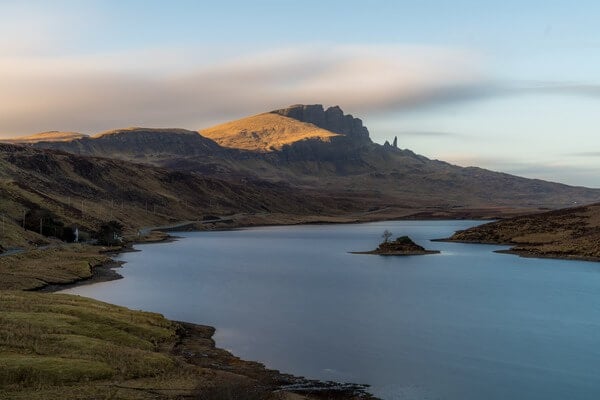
(402, 246)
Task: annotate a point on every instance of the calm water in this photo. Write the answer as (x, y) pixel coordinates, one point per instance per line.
(465, 324)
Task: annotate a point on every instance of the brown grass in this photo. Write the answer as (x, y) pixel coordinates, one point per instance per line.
(568, 233)
(264, 132)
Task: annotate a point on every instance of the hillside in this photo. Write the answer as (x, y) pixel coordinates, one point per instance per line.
(264, 132)
(343, 161)
(566, 233)
(83, 191)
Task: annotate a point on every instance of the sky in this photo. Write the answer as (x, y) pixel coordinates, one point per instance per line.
(511, 86)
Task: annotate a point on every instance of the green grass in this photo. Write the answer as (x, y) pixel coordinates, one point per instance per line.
(32, 370)
(37, 268)
(58, 346)
(52, 339)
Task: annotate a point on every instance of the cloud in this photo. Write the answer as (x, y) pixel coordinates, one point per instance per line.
(176, 88)
(195, 88)
(586, 154)
(532, 87)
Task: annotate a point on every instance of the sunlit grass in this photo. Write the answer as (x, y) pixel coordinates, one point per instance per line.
(264, 132)
(49, 339)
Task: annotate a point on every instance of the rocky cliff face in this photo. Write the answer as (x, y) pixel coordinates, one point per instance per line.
(333, 119)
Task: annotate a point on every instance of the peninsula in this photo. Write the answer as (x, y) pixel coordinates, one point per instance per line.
(570, 233)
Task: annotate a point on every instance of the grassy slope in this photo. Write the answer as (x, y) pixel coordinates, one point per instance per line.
(568, 233)
(55, 339)
(264, 132)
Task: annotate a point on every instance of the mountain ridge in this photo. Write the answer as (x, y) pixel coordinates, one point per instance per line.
(347, 162)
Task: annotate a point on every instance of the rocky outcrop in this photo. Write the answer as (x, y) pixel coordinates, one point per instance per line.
(333, 119)
(402, 246)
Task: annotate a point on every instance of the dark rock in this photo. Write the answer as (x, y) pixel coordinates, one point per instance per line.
(402, 246)
(333, 119)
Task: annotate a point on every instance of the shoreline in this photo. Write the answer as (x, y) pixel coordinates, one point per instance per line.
(197, 346)
(193, 337)
(524, 253)
(105, 272)
(195, 334)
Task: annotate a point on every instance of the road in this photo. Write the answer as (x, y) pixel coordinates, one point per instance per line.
(182, 224)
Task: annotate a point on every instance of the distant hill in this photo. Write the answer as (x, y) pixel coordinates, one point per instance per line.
(50, 136)
(310, 147)
(142, 143)
(566, 233)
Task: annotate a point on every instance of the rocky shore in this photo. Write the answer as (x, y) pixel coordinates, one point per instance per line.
(197, 347)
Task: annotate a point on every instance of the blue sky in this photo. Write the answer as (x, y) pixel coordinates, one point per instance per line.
(511, 86)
